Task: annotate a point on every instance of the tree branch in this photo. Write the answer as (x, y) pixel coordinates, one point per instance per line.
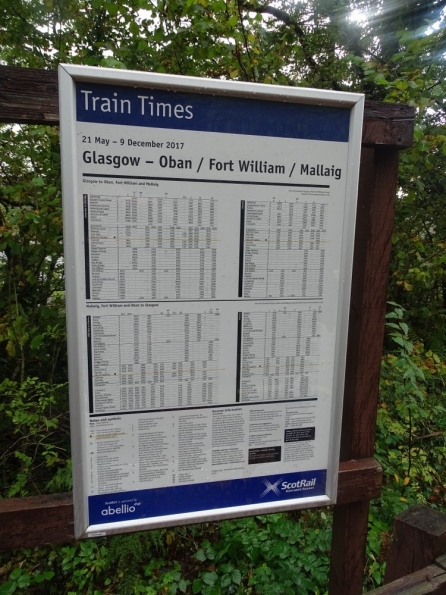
(287, 19)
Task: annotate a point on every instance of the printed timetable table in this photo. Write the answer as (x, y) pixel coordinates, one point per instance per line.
(140, 248)
(152, 361)
(281, 354)
(285, 245)
(209, 233)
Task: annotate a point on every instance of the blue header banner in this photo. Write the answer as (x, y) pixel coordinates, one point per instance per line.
(155, 108)
(140, 504)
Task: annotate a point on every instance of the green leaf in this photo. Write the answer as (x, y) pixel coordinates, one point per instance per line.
(158, 35)
(209, 578)
(200, 555)
(134, 28)
(401, 85)
(398, 340)
(16, 574)
(35, 343)
(7, 588)
(111, 8)
(404, 328)
(24, 581)
(232, 21)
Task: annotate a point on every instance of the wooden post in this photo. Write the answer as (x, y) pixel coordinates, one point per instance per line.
(419, 537)
(373, 242)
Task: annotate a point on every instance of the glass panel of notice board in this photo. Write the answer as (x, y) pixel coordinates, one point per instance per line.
(208, 229)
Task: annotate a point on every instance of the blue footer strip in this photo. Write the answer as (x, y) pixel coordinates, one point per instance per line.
(142, 504)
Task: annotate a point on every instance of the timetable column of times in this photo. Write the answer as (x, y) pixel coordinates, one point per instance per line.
(285, 246)
(281, 354)
(151, 247)
(151, 361)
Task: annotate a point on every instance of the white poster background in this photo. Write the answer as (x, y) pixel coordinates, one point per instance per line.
(129, 439)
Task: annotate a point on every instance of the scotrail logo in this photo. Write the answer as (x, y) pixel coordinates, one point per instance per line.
(270, 487)
(279, 487)
(298, 486)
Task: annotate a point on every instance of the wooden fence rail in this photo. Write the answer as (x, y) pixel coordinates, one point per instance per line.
(30, 96)
(428, 581)
(40, 520)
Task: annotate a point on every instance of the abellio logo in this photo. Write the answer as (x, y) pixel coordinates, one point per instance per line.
(123, 508)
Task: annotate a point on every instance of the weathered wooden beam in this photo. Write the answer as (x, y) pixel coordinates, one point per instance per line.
(388, 124)
(428, 581)
(30, 96)
(359, 480)
(419, 537)
(371, 262)
(371, 267)
(39, 520)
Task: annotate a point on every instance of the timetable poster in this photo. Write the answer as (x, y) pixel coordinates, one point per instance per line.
(208, 254)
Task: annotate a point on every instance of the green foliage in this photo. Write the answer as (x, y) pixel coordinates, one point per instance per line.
(32, 315)
(19, 580)
(411, 425)
(411, 436)
(268, 555)
(395, 54)
(34, 434)
(418, 277)
(276, 553)
(415, 75)
(82, 565)
(129, 554)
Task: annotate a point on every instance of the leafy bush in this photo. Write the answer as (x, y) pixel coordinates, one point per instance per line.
(19, 580)
(34, 436)
(411, 436)
(266, 555)
(411, 424)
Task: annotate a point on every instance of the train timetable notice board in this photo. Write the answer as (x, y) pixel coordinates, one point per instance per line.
(208, 231)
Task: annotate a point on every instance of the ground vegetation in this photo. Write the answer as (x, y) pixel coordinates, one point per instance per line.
(389, 50)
